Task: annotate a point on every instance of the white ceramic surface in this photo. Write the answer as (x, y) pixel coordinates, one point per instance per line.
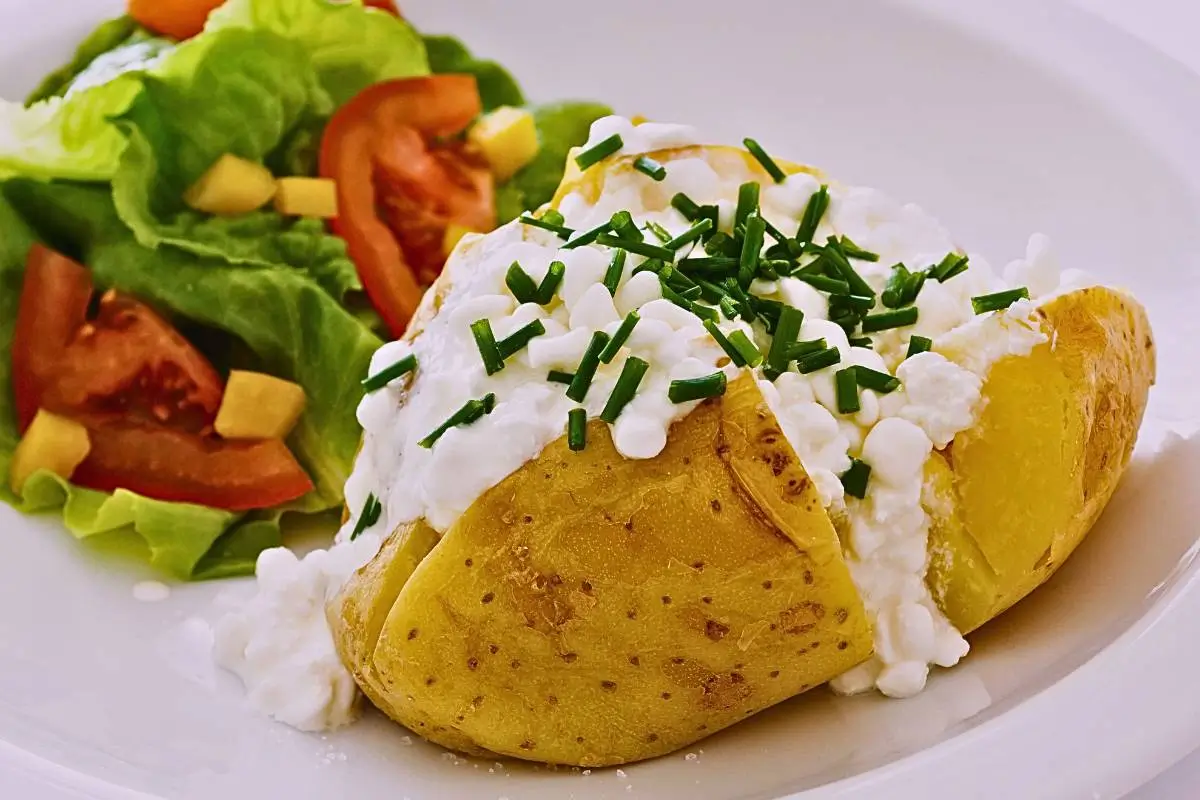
(1003, 120)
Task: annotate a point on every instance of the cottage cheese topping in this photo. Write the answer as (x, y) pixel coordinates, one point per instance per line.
(885, 533)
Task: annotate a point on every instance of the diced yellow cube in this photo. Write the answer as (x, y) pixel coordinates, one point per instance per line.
(508, 139)
(258, 406)
(52, 443)
(307, 197)
(454, 234)
(638, 119)
(232, 186)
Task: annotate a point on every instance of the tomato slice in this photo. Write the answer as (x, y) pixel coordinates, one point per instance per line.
(179, 19)
(54, 305)
(158, 462)
(381, 149)
(386, 5)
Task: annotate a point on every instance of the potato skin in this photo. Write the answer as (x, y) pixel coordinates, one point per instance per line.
(592, 610)
(1012, 497)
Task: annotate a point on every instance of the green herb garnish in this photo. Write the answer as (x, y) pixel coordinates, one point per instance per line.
(854, 251)
(896, 289)
(587, 237)
(787, 330)
(918, 345)
(616, 269)
(577, 429)
(685, 391)
(582, 381)
(861, 341)
(845, 381)
(372, 510)
(627, 384)
(749, 352)
(690, 235)
(520, 284)
(519, 339)
(752, 244)
(551, 282)
(648, 166)
(855, 479)
(841, 265)
(813, 212)
(558, 376)
(734, 354)
(747, 203)
(953, 264)
(876, 381)
(619, 338)
(872, 323)
(472, 411)
(599, 151)
(485, 340)
(797, 350)
(374, 383)
(824, 283)
(999, 300)
(660, 233)
(547, 225)
(818, 360)
(640, 248)
(623, 226)
(767, 162)
(686, 206)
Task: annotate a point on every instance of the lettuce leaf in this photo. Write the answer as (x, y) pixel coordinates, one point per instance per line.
(108, 36)
(497, 87)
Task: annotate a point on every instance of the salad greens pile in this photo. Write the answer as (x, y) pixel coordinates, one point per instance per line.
(96, 165)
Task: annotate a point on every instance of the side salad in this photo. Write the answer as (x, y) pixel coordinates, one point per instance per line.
(210, 218)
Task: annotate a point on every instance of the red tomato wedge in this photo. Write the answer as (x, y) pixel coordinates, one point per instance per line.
(165, 464)
(399, 188)
(179, 19)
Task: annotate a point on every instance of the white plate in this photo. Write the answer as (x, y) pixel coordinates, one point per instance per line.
(1005, 120)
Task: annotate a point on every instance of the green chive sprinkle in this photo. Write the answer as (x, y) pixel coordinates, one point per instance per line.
(709, 264)
(797, 350)
(558, 376)
(550, 283)
(872, 323)
(706, 313)
(749, 352)
(577, 429)
(587, 237)
(520, 338)
(775, 234)
(918, 345)
(553, 216)
(691, 293)
(876, 381)
(913, 287)
(855, 479)
(616, 269)
(896, 288)
(767, 162)
(751, 248)
(619, 338)
(787, 329)
(385, 376)
(623, 226)
(861, 341)
(371, 511)
(745, 305)
(710, 291)
(690, 235)
(685, 391)
(660, 233)
(769, 310)
(648, 166)
(846, 382)
(578, 389)
(734, 354)
(553, 227)
(825, 283)
(627, 384)
(998, 301)
(854, 251)
(833, 252)
(953, 264)
(729, 307)
(654, 265)
(747, 203)
(520, 284)
(472, 411)
(686, 206)
(722, 244)
(813, 212)
(485, 340)
(857, 302)
(712, 214)
(818, 360)
(600, 151)
(640, 248)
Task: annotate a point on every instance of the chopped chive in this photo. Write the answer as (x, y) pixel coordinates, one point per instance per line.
(520, 338)
(767, 162)
(640, 248)
(722, 264)
(553, 227)
(998, 301)
(722, 244)
(616, 269)
(813, 212)
(675, 277)
(876, 381)
(856, 302)
(886, 320)
(623, 226)
(774, 233)
(520, 284)
(833, 252)
(734, 354)
(729, 307)
(769, 310)
(660, 233)
(896, 289)
(787, 329)
(768, 270)
(685, 391)
(654, 265)
(648, 166)
(599, 151)
(846, 383)
(710, 291)
(855, 479)
(586, 371)
(374, 383)
(558, 376)
(953, 264)
(587, 237)
(825, 283)
(854, 251)
(690, 235)
(800, 349)
(745, 306)
(627, 384)
(684, 302)
(861, 341)
(577, 429)
(747, 203)
(751, 249)
(912, 289)
(749, 352)
(619, 338)
(472, 411)
(371, 511)
(553, 216)
(690, 292)
(918, 345)
(706, 313)
(713, 214)
(485, 340)
(818, 360)
(550, 283)
(686, 206)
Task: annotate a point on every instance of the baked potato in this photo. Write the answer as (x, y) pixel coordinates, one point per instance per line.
(591, 608)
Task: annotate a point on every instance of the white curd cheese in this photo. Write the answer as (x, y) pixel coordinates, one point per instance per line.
(279, 643)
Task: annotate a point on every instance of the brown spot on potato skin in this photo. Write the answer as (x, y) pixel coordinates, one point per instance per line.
(637, 662)
(715, 631)
(412, 634)
(715, 505)
(527, 745)
(666, 695)
(569, 657)
(472, 663)
(652, 738)
(774, 673)
(487, 598)
(666, 600)
(493, 648)
(767, 584)
(608, 686)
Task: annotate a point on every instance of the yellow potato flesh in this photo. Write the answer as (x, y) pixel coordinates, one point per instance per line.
(1013, 496)
(595, 610)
